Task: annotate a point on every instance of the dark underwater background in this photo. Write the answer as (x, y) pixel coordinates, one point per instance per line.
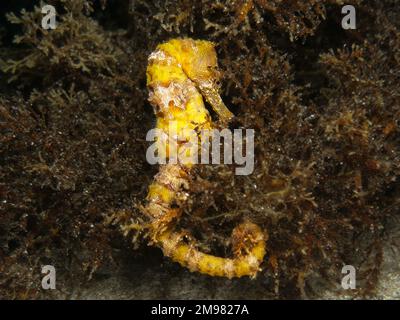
(325, 105)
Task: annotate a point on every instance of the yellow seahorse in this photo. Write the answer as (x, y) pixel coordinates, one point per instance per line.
(180, 73)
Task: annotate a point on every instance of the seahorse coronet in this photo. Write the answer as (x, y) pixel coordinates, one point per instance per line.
(180, 73)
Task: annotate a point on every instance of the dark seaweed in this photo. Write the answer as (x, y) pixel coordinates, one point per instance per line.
(324, 102)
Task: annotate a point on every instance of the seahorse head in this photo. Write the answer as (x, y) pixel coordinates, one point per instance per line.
(200, 63)
(196, 60)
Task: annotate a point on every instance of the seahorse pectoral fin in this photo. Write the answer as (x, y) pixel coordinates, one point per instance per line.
(212, 96)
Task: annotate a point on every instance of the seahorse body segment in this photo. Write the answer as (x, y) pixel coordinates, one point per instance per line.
(180, 73)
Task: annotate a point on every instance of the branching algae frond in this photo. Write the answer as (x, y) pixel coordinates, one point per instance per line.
(180, 73)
